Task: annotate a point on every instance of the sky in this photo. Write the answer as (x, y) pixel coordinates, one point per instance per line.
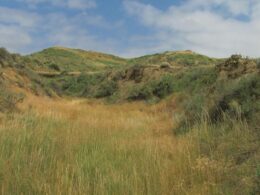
(131, 28)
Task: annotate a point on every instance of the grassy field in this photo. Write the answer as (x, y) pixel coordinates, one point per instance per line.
(87, 147)
(138, 130)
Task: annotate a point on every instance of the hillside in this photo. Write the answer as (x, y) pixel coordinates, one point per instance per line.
(73, 60)
(17, 80)
(197, 81)
(197, 88)
(175, 58)
(169, 123)
(58, 59)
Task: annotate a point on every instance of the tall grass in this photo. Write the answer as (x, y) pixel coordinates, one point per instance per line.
(88, 148)
(220, 158)
(99, 153)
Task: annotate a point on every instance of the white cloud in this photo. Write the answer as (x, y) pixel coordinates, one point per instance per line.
(27, 31)
(73, 4)
(197, 25)
(81, 4)
(234, 7)
(15, 26)
(12, 40)
(66, 31)
(18, 17)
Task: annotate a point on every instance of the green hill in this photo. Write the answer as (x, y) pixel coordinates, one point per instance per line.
(76, 60)
(184, 123)
(65, 59)
(175, 58)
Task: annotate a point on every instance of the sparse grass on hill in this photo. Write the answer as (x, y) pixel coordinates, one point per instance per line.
(178, 58)
(65, 59)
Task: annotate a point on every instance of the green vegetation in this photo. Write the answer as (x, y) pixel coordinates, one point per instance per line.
(198, 134)
(229, 151)
(104, 151)
(44, 159)
(181, 58)
(84, 85)
(8, 99)
(154, 89)
(65, 59)
(107, 88)
(7, 59)
(15, 74)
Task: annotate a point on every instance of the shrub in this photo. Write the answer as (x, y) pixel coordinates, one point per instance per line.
(235, 99)
(5, 57)
(164, 87)
(143, 92)
(240, 94)
(3, 53)
(195, 79)
(107, 88)
(160, 89)
(83, 85)
(54, 67)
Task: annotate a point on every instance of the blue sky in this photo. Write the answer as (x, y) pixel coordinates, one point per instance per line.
(130, 28)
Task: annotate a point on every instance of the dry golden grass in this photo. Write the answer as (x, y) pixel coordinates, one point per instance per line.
(133, 136)
(87, 147)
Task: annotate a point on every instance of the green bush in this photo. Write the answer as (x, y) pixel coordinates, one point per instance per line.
(54, 67)
(240, 95)
(237, 99)
(83, 85)
(143, 92)
(10, 60)
(4, 53)
(106, 89)
(153, 89)
(164, 87)
(195, 79)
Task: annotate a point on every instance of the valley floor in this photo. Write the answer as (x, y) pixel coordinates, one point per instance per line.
(87, 147)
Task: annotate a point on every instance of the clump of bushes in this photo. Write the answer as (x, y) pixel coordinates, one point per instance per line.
(54, 66)
(7, 59)
(78, 86)
(237, 96)
(106, 89)
(236, 99)
(154, 89)
(143, 92)
(194, 81)
(164, 87)
(85, 85)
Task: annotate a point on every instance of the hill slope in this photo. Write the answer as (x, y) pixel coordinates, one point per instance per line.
(76, 60)
(87, 147)
(175, 58)
(17, 80)
(65, 59)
